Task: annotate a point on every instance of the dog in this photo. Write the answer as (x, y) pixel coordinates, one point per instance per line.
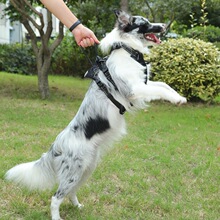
(119, 84)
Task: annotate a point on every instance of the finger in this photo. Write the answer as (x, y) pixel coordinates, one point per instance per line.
(80, 44)
(87, 42)
(83, 43)
(95, 39)
(92, 42)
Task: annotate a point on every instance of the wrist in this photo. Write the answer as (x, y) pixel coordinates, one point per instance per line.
(74, 25)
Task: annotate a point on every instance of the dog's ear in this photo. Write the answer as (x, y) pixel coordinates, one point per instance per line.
(123, 18)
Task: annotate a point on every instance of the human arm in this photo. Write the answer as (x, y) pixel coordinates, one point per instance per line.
(84, 36)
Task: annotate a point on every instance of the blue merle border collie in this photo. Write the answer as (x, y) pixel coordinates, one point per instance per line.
(99, 121)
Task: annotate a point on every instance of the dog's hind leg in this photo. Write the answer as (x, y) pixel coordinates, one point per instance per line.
(70, 176)
(74, 200)
(55, 205)
(67, 185)
(87, 173)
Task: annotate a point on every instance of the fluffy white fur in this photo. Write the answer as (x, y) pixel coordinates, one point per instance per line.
(77, 149)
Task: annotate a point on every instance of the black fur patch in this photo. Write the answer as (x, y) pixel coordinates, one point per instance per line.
(74, 128)
(131, 27)
(57, 154)
(96, 125)
(59, 194)
(143, 29)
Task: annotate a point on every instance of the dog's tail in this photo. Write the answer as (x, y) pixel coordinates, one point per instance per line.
(34, 175)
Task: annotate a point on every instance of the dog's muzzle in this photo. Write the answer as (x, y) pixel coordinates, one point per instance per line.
(156, 28)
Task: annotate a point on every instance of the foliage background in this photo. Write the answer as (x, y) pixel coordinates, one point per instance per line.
(17, 58)
(190, 66)
(197, 19)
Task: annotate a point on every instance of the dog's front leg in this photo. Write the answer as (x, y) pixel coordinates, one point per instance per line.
(157, 91)
(161, 84)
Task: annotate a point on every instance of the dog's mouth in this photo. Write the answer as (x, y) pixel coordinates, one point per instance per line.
(152, 37)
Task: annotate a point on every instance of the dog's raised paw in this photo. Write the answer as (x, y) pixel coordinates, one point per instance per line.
(182, 100)
(179, 100)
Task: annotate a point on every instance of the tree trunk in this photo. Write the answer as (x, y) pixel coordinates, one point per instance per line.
(43, 67)
(124, 5)
(43, 85)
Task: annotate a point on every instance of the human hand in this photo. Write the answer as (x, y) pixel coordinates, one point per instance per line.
(84, 36)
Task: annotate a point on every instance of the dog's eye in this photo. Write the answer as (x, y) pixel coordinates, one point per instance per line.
(133, 20)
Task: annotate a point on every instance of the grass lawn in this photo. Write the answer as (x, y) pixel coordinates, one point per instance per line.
(167, 167)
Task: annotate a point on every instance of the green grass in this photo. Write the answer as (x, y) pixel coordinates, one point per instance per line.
(167, 167)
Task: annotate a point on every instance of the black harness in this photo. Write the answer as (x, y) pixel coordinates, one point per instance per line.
(135, 54)
(100, 64)
(92, 73)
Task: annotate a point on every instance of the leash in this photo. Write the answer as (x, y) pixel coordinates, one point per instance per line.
(100, 65)
(86, 55)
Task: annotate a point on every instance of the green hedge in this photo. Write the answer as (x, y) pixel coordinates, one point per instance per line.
(17, 58)
(68, 59)
(190, 66)
(208, 33)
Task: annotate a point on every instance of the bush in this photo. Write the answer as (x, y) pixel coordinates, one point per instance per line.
(68, 59)
(208, 33)
(190, 66)
(17, 58)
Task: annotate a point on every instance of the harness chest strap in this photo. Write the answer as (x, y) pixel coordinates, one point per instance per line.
(100, 64)
(135, 54)
(92, 73)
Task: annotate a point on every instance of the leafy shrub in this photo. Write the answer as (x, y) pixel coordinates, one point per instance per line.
(17, 58)
(208, 33)
(190, 66)
(217, 44)
(68, 59)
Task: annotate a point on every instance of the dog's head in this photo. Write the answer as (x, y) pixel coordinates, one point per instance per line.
(139, 27)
